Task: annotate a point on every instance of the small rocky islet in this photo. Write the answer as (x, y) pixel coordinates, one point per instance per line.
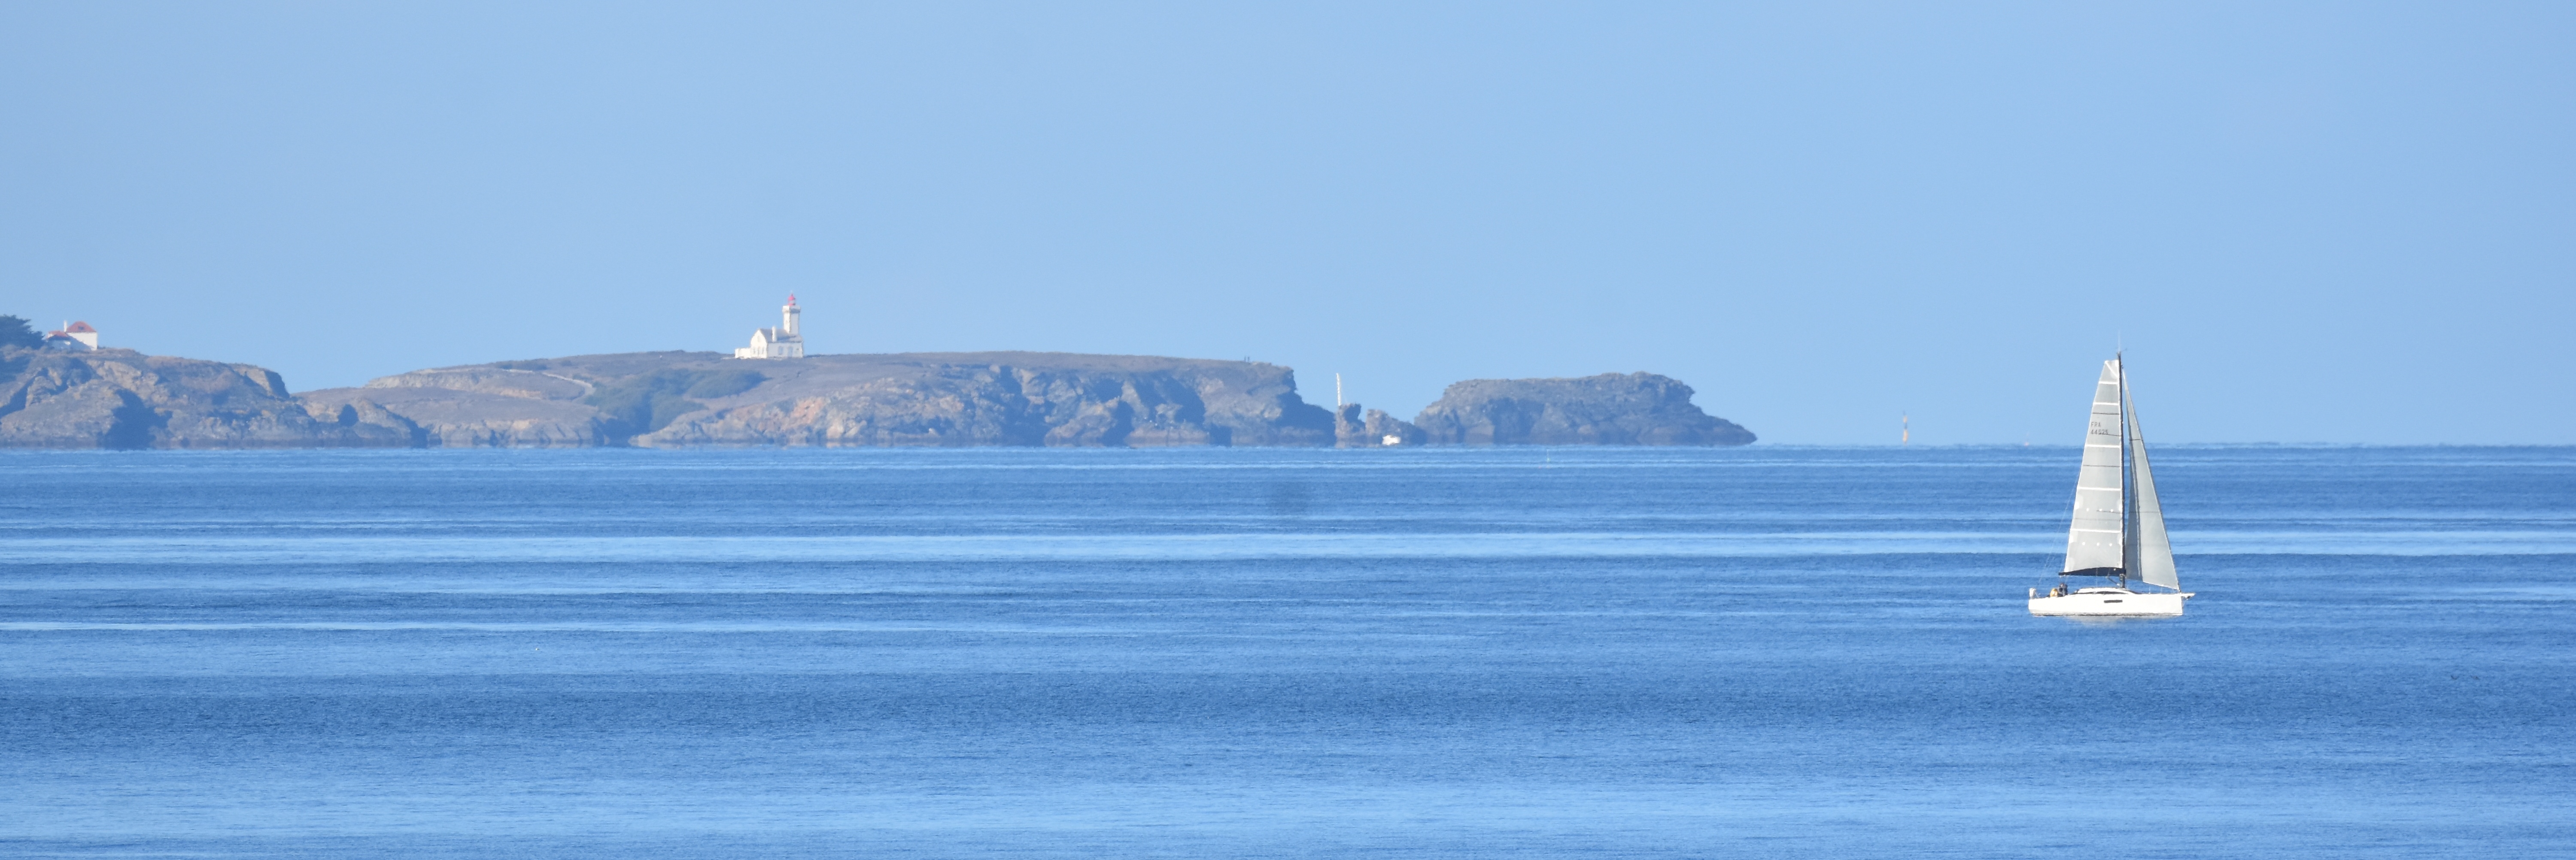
(120, 398)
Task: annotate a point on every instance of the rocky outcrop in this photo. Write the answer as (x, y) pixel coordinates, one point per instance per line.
(1393, 432)
(1609, 409)
(919, 399)
(119, 398)
(1376, 429)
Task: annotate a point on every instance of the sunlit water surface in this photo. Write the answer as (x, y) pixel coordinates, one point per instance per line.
(1773, 652)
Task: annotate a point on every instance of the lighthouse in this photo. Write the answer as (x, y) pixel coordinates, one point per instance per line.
(781, 342)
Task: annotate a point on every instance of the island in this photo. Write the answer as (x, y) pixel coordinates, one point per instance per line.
(1609, 409)
(79, 397)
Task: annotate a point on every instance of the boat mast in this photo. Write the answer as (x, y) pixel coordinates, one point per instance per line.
(2128, 486)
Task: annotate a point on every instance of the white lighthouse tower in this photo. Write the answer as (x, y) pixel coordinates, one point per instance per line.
(780, 342)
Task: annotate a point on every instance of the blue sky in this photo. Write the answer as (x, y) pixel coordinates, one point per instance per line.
(2339, 222)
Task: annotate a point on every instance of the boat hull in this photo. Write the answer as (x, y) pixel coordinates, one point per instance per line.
(2125, 604)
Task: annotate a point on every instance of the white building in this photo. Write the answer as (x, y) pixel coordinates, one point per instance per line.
(73, 335)
(780, 342)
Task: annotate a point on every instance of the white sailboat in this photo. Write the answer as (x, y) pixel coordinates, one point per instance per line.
(2118, 529)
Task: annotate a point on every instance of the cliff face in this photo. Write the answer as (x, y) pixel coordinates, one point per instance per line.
(919, 399)
(1609, 409)
(119, 398)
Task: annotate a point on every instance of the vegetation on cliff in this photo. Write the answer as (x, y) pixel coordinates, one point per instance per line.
(641, 404)
(16, 332)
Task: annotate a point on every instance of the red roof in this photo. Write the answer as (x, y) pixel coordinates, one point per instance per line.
(81, 328)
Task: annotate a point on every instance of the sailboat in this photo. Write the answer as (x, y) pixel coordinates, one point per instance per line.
(2118, 529)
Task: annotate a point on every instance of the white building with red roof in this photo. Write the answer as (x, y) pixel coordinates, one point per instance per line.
(73, 335)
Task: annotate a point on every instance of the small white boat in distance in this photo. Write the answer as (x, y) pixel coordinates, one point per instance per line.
(2118, 529)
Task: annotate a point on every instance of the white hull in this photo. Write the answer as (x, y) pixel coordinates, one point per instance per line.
(2110, 602)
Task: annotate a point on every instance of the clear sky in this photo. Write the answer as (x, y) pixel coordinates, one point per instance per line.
(2341, 222)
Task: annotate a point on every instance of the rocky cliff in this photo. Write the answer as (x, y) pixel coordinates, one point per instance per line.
(116, 398)
(916, 399)
(119, 398)
(1609, 409)
(1376, 429)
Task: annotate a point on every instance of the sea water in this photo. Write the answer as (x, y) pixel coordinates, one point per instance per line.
(1760, 652)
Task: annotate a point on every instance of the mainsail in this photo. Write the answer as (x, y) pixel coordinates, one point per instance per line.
(2093, 543)
(2150, 554)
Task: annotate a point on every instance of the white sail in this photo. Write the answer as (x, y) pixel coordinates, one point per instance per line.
(2153, 560)
(2093, 542)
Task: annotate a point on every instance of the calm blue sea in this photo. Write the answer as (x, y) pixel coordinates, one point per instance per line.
(1757, 652)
